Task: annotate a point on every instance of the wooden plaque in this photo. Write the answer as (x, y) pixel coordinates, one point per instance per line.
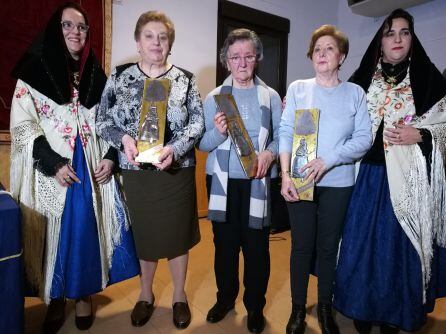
(306, 123)
(238, 134)
(152, 121)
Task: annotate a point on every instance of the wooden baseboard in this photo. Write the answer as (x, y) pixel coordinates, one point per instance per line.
(5, 149)
(5, 137)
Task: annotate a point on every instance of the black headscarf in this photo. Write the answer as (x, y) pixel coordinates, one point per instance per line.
(47, 64)
(428, 85)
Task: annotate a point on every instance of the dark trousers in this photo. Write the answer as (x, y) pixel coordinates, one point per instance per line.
(229, 238)
(317, 223)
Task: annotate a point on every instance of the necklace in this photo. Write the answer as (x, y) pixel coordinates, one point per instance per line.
(391, 79)
(76, 79)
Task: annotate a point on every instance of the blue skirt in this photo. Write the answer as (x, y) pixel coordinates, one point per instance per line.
(379, 278)
(78, 271)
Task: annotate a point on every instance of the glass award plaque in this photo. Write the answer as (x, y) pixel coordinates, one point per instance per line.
(152, 121)
(304, 150)
(238, 134)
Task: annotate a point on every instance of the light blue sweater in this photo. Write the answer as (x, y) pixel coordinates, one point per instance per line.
(344, 126)
(249, 108)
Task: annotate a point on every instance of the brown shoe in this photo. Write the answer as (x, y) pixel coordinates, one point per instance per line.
(141, 313)
(181, 315)
(55, 316)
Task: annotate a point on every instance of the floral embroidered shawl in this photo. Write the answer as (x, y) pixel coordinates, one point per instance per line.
(419, 205)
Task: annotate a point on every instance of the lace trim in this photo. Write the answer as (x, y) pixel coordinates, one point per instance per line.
(24, 133)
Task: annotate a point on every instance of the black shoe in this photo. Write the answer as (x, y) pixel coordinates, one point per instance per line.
(386, 329)
(218, 312)
(256, 321)
(296, 323)
(84, 322)
(362, 327)
(181, 315)
(141, 313)
(326, 321)
(55, 316)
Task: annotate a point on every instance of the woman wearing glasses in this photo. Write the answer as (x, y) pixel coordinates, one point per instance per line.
(239, 206)
(161, 196)
(75, 233)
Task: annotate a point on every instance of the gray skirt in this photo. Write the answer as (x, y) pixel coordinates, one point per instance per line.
(163, 211)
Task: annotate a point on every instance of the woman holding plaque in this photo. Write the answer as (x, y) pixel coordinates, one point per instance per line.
(239, 206)
(343, 136)
(76, 234)
(391, 267)
(161, 196)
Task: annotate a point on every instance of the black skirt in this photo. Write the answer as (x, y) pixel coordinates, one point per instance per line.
(163, 211)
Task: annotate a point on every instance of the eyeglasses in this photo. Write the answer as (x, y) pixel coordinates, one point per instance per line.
(238, 59)
(69, 26)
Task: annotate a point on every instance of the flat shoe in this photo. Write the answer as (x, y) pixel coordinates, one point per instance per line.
(55, 316)
(84, 322)
(181, 315)
(141, 313)
(218, 312)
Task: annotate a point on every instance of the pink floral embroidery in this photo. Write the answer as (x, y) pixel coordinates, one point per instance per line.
(20, 92)
(84, 140)
(44, 109)
(67, 129)
(71, 142)
(408, 119)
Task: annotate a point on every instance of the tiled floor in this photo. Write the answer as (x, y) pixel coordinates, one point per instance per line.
(113, 306)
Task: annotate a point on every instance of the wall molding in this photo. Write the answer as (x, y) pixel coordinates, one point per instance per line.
(5, 137)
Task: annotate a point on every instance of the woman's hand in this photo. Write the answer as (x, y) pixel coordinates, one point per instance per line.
(130, 150)
(165, 158)
(104, 171)
(66, 175)
(264, 161)
(220, 123)
(402, 135)
(315, 169)
(288, 189)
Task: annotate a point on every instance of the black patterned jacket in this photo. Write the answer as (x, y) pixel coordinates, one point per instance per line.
(119, 111)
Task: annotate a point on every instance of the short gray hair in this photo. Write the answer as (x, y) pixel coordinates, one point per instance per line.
(241, 35)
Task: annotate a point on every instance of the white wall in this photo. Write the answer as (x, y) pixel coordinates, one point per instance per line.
(195, 46)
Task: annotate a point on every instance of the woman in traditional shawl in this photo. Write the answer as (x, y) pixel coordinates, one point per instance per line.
(62, 174)
(389, 264)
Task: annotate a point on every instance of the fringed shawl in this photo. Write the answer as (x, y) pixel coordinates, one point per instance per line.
(418, 205)
(46, 103)
(259, 211)
(41, 198)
